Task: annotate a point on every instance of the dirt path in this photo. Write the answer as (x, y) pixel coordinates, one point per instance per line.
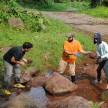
(82, 22)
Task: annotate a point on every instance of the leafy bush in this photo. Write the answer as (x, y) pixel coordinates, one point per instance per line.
(32, 20)
(95, 3)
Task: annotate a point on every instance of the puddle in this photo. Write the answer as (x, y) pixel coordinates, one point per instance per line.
(2, 100)
(37, 93)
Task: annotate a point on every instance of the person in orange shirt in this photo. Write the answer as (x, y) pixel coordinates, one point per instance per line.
(71, 49)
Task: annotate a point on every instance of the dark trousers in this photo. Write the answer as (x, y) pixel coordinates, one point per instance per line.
(101, 65)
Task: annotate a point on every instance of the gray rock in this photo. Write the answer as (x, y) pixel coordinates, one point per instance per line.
(21, 101)
(71, 102)
(16, 22)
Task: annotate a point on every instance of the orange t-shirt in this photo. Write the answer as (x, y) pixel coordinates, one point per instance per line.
(74, 46)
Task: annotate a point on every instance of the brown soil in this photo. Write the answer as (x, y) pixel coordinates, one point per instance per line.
(86, 87)
(86, 74)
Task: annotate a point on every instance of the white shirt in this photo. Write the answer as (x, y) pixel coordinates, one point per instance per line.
(102, 50)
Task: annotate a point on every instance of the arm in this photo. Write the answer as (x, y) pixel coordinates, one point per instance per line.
(105, 50)
(83, 52)
(17, 62)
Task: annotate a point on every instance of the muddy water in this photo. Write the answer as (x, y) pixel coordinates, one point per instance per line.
(37, 93)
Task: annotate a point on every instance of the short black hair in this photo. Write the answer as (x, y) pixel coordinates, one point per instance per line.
(27, 45)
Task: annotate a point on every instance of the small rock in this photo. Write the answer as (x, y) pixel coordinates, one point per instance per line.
(86, 64)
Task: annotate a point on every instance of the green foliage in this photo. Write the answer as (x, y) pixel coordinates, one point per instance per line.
(33, 21)
(61, 6)
(95, 105)
(97, 12)
(13, 4)
(95, 3)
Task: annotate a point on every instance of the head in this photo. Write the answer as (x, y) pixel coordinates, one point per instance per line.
(97, 38)
(70, 37)
(27, 46)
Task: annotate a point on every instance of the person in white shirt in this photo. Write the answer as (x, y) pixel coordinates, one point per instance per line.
(102, 53)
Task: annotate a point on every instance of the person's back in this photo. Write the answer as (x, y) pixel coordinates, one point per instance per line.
(14, 51)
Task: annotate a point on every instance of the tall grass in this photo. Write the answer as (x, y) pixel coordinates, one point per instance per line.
(47, 44)
(100, 11)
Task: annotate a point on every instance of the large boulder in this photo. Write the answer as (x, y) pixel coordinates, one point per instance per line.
(37, 81)
(28, 74)
(71, 102)
(21, 101)
(58, 84)
(16, 22)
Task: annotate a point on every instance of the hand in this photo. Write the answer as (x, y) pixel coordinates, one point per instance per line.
(24, 60)
(88, 52)
(22, 64)
(102, 59)
(76, 54)
(98, 59)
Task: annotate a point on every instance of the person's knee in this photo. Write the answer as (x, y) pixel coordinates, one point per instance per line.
(72, 73)
(17, 71)
(60, 71)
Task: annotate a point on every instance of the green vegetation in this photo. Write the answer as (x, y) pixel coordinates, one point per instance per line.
(95, 105)
(47, 44)
(97, 12)
(95, 3)
(33, 21)
(59, 6)
(80, 7)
